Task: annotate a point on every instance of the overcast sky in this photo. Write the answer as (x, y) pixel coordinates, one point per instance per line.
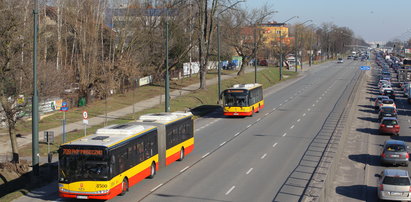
(373, 20)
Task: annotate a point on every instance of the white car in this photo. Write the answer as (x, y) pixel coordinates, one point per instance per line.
(340, 60)
(385, 87)
(394, 184)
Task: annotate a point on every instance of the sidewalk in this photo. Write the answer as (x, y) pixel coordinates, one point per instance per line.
(5, 147)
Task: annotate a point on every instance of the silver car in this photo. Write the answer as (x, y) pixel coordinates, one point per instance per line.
(395, 152)
(394, 184)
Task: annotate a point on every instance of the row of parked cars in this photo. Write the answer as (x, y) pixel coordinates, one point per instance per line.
(392, 184)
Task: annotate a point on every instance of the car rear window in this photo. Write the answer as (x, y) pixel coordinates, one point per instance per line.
(390, 122)
(395, 148)
(387, 101)
(396, 180)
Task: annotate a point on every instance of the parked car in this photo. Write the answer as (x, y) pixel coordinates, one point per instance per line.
(340, 60)
(387, 111)
(389, 125)
(395, 152)
(394, 184)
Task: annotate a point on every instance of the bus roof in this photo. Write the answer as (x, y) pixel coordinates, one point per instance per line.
(248, 86)
(164, 117)
(112, 135)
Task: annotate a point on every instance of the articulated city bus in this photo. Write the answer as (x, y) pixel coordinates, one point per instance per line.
(106, 164)
(243, 99)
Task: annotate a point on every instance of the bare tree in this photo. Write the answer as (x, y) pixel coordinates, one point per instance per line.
(243, 33)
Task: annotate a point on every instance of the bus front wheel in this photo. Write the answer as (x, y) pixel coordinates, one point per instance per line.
(152, 170)
(181, 154)
(124, 187)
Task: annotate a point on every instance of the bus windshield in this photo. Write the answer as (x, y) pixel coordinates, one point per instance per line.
(74, 168)
(235, 99)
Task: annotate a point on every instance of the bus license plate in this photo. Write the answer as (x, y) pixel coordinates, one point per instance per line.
(235, 113)
(82, 197)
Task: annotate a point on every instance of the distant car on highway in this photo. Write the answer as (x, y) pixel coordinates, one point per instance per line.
(389, 125)
(378, 100)
(387, 103)
(340, 60)
(394, 184)
(387, 111)
(395, 152)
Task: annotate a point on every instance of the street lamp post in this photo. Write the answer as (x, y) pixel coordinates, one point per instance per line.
(296, 48)
(218, 49)
(281, 48)
(35, 100)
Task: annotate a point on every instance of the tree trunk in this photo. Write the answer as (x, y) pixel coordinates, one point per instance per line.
(13, 140)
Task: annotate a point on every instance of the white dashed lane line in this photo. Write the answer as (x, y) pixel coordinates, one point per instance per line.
(158, 186)
(235, 135)
(292, 126)
(223, 143)
(184, 169)
(249, 171)
(304, 114)
(249, 126)
(284, 134)
(205, 155)
(258, 119)
(275, 144)
(313, 105)
(267, 114)
(309, 109)
(263, 156)
(230, 190)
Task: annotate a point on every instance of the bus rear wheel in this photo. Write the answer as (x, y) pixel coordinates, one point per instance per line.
(124, 187)
(181, 154)
(152, 170)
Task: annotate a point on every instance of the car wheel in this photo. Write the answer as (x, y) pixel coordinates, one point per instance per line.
(152, 170)
(181, 154)
(124, 187)
(252, 112)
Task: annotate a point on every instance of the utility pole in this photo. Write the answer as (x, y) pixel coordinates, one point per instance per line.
(167, 79)
(255, 54)
(35, 99)
(281, 55)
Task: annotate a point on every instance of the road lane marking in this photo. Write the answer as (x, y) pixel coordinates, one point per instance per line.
(274, 108)
(275, 144)
(158, 186)
(197, 130)
(298, 120)
(205, 155)
(285, 100)
(184, 169)
(281, 104)
(316, 101)
(309, 109)
(236, 134)
(267, 114)
(304, 114)
(223, 143)
(313, 105)
(249, 171)
(320, 98)
(258, 119)
(230, 190)
(284, 134)
(263, 156)
(249, 126)
(292, 126)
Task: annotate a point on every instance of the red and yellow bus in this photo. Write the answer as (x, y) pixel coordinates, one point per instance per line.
(243, 99)
(106, 164)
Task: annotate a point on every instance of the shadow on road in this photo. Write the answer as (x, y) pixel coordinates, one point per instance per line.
(372, 160)
(358, 192)
(374, 120)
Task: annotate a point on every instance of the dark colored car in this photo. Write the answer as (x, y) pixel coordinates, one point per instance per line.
(395, 152)
(390, 94)
(387, 112)
(389, 125)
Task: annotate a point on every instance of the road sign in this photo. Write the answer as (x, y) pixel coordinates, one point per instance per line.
(85, 115)
(64, 109)
(365, 68)
(49, 136)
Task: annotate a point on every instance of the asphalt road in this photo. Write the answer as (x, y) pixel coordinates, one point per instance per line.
(254, 158)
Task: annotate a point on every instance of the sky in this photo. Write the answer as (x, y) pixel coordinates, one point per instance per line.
(372, 20)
